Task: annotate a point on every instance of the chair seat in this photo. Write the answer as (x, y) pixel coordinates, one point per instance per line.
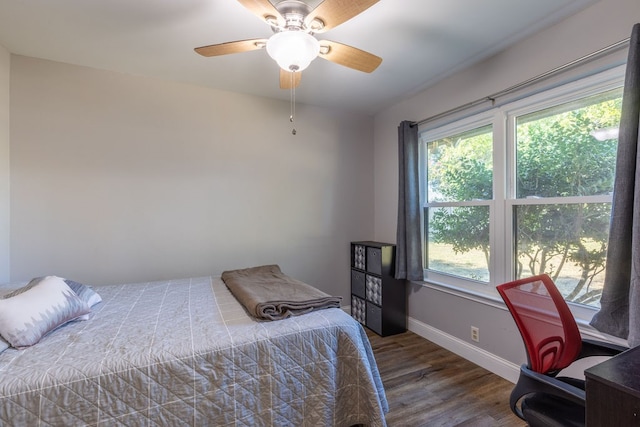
(553, 344)
(545, 410)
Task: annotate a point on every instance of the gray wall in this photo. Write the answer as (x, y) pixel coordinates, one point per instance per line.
(117, 178)
(604, 23)
(5, 62)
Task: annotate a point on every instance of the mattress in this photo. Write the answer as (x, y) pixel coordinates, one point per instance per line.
(185, 352)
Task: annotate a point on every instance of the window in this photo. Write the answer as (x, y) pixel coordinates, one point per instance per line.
(459, 191)
(524, 189)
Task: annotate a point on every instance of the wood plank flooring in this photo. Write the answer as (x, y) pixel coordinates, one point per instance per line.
(427, 385)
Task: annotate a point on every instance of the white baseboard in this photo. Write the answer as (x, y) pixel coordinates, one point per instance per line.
(480, 357)
(489, 361)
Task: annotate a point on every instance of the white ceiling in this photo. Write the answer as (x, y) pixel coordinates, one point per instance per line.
(420, 41)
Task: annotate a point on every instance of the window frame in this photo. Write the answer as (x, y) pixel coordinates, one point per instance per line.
(454, 128)
(503, 120)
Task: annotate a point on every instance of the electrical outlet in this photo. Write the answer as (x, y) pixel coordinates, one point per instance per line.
(475, 334)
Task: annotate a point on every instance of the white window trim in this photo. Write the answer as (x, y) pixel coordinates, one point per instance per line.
(438, 278)
(503, 120)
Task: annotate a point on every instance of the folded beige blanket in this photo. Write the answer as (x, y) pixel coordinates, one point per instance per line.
(268, 293)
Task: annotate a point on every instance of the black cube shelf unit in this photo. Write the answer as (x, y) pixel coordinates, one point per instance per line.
(378, 300)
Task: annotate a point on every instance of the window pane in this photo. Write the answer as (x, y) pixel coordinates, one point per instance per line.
(458, 241)
(460, 167)
(570, 149)
(566, 241)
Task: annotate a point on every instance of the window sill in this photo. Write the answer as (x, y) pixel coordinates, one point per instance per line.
(586, 329)
(476, 296)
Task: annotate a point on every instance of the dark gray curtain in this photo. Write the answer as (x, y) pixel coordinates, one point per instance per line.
(408, 238)
(620, 302)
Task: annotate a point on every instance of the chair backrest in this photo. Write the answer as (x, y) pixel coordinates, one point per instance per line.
(548, 329)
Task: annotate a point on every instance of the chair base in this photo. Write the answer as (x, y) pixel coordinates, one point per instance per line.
(544, 410)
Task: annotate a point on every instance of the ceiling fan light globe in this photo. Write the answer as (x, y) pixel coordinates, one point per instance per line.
(293, 50)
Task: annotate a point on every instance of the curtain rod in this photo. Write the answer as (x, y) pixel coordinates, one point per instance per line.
(526, 83)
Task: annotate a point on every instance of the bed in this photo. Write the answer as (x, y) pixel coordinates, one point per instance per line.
(185, 352)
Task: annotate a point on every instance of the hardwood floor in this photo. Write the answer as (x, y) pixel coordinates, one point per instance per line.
(427, 385)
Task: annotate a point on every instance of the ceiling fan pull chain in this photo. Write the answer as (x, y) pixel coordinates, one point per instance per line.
(293, 103)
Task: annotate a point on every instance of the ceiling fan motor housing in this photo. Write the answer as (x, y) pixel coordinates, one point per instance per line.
(294, 12)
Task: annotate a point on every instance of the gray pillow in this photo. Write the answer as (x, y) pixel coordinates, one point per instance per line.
(37, 309)
(85, 293)
(25, 288)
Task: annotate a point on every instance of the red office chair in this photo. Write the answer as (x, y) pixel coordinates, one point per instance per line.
(553, 342)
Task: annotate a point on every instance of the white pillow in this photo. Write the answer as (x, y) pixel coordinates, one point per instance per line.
(43, 305)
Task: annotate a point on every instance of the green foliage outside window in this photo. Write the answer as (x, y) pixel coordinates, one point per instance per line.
(557, 156)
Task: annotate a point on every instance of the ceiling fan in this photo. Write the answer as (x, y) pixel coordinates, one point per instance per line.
(293, 45)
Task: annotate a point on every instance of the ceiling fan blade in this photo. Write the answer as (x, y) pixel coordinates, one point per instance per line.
(334, 12)
(262, 9)
(289, 80)
(349, 56)
(231, 47)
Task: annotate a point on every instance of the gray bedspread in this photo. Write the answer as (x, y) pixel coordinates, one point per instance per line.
(185, 352)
